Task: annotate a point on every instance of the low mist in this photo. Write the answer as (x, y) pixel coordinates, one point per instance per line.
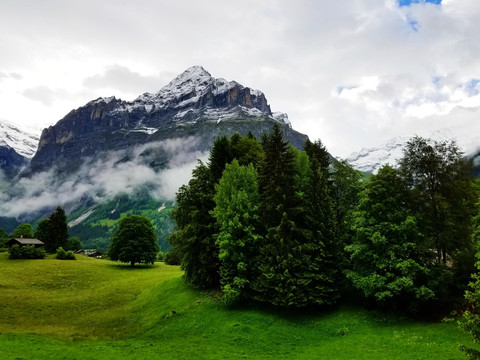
(119, 172)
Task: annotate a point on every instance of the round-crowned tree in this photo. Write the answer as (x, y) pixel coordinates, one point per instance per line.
(135, 241)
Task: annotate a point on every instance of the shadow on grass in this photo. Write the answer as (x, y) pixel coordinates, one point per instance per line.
(126, 266)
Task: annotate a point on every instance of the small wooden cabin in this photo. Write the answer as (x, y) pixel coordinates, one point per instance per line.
(24, 242)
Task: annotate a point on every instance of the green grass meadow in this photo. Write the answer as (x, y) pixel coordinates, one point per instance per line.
(98, 309)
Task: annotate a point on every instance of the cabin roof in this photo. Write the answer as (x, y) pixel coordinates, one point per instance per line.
(27, 241)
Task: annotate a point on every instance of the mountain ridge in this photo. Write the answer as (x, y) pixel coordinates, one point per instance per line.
(184, 107)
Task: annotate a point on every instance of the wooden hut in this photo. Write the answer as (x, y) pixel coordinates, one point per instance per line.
(24, 242)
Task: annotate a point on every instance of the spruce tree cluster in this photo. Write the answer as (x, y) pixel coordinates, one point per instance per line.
(265, 221)
(258, 221)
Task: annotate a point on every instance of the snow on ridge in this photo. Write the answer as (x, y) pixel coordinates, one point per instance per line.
(23, 141)
(282, 118)
(187, 89)
(146, 130)
(190, 85)
(372, 159)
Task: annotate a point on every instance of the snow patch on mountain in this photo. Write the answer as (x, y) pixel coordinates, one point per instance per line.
(184, 93)
(372, 159)
(23, 141)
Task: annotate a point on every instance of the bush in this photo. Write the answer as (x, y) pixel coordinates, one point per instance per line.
(15, 252)
(171, 258)
(26, 252)
(65, 255)
(160, 256)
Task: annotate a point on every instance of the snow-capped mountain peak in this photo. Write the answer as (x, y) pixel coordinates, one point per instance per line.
(196, 95)
(23, 141)
(371, 159)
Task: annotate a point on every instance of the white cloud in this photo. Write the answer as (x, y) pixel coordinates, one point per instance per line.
(299, 53)
(104, 179)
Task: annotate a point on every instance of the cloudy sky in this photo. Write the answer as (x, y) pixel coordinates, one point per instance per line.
(350, 72)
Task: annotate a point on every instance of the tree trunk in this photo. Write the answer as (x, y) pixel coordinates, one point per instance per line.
(132, 263)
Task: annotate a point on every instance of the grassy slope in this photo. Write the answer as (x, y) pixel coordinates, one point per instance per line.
(96, 309)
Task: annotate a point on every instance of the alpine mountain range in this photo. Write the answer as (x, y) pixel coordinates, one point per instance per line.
(111, 147)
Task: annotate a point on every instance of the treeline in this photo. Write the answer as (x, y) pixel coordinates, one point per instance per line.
(97, 229)
(52, 231)
(265, 221)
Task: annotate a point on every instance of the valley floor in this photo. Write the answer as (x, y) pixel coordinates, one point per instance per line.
(97, 309)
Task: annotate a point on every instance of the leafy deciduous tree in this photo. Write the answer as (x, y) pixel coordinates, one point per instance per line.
(387, 263)
(135, 241)
(23, 230)
(237, 216)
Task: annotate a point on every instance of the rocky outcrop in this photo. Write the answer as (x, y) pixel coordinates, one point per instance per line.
(193, 104)
(11, 162)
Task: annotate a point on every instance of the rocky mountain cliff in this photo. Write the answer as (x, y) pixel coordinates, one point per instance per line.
(194, 104)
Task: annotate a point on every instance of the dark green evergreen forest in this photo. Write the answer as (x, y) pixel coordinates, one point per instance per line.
(267, 222)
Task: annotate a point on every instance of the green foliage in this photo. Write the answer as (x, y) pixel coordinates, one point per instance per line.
(53, 231)
(3, 238)
(345, 189)
(385, 255)
(64, 255)
(25, 252)
(96, 230)
(134, 241)
(74, 243)
(316, 217)
(220, 155)
(236, 212)
(15, 252)
(318, 153)
(23, 230)
(172, 257)
(42, 232)
(247, 150)
(194, 239)
(95, 236)
(3, 234)
(8, 223)
(471, 317)
(297, 258)
(275, 283)
(443, 197)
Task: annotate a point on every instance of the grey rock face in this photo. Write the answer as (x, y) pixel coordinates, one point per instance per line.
(11, 162)
(193, 104)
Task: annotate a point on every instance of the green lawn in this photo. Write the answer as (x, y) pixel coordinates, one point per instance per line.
(97, 309)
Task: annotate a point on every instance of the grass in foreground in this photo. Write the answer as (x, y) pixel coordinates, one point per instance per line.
(96, 309)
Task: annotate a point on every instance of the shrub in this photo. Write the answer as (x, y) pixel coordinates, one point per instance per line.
(171, 258)
(65, 255)
(160, 256)
(26, 252)
(15, 252)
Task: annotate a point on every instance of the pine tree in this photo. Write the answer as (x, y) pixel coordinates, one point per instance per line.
(317, 152)
(42, 233)
(194, 238)
(322, 265)
(280, 254)
(220, 155)
(58, 230)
